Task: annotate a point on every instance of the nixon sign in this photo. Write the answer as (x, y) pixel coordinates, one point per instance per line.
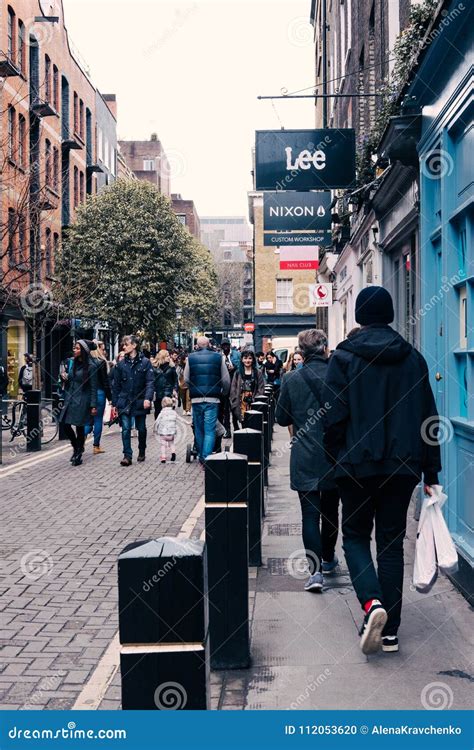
(289, 211)
(304, 159)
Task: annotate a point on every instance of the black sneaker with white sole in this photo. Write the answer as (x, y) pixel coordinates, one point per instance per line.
(389, 643)
(371, 631)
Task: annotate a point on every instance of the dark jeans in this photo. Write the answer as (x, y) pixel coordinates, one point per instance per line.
(77, 438)
(98, 419)
(127, 424)
(225, 414)
(384, 500)
(319, 507)
(204, 424)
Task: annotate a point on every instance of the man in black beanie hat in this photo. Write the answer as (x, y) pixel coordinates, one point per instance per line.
(379, 436)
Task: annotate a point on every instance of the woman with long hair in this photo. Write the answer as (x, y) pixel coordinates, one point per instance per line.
(166, 379)
(80, 398)
(183, 388)
(246, 384)
(104, 394)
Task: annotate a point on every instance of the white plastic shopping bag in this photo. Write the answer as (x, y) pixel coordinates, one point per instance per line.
(434, 548)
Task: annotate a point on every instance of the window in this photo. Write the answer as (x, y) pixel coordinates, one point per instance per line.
(48, 162)
(81, 187)
(11, 237)
(21, 46)
(55, 245)
(47, 254)
(22, 141)
(11, 132)
(181, 218)
(76, 186)
(11, 34)
(22, 239)
(114, 156)
(56, 168)
(149, 165)
(55, 88)
(76, 113)
(81, 119)
(106, 152)
(47, 78)
(284, 296)
(100, 145)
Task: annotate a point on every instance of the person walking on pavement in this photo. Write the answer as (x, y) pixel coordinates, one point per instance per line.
(260, 360)
(25, 376)
(207, 378)
(166, 378)
(272, 372)
(183, 388)
(132, 394)
(165, 427)
(80, 398)
(301, 405)
(104, 394)
(232, 361)
(246, 384)
(379, 437)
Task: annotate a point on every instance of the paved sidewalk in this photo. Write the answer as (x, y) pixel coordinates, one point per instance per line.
(305, 651)
(62, 529)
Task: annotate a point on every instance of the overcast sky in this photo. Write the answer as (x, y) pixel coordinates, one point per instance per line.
(191, 71)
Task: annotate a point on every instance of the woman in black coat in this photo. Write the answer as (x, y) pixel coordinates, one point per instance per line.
(80, 398)
(247, 383)
(166, 378)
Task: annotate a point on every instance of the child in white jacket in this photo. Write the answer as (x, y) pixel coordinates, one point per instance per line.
(165, 427)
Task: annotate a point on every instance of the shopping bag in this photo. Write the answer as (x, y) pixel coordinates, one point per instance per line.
(434, 550)
(107, 410)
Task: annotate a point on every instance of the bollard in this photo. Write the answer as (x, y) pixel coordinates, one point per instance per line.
(163, 625)
(249, 443)
(33, 427)
(253, 420)
(226, 514)
(57, 406)
(260, 406)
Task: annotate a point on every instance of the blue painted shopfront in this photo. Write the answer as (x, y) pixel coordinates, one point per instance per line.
(443, 89)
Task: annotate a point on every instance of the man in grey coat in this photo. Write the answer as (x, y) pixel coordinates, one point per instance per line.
(301, 405)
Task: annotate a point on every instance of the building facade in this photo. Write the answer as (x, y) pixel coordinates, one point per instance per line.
(229, 238)
(48, 145)
(186, 212)
(148, 161)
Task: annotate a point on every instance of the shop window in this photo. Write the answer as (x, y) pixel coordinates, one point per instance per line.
(16, 346)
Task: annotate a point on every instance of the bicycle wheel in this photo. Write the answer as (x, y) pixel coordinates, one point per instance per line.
(49, 425)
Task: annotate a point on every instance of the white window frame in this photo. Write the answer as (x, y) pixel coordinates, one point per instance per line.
(284, 295)
(149, 165)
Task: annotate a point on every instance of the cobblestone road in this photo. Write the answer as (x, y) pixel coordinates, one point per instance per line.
(61, 532)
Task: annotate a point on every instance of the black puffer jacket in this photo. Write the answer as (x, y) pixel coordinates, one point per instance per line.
(166, 380)
(382, 414)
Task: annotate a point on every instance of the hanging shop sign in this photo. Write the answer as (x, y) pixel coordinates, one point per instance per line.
(320, 295)
(294, 239)
(304, 159)
(289, 211)
(299, 258)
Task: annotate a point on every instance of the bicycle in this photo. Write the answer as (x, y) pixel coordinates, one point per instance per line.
(16, 424)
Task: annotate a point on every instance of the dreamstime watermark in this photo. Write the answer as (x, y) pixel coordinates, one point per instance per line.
(310, 688)
(446, 286)
(303, 562)
(36, 564)
(35, 298)
(174, 164)
(447, 18)
(168, 301)
(181, 16)
(41, 32)
(437, 164)
(311, 147)
(46, 685)
(170, 696)
(314, 416)
(436, 430)
(182, 437)
(437, 696)
(300, 32)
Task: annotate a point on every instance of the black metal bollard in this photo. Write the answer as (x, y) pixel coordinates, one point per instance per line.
(57, 406)
(253, 420)
(33, 426)
(163, 624)
(249, 443)
(260, 406)
(226, 513)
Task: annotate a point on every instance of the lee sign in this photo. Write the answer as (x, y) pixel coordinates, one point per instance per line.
(304, 159)
(320, 295)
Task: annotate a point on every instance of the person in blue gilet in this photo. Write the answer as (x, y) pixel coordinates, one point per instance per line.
(207, 378)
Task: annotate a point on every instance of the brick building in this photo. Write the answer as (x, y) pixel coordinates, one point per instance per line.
(186, 212)
(50, 118)
(148, 161)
